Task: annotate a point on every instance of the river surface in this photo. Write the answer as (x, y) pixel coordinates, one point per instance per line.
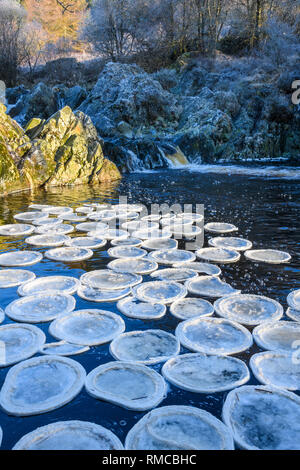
(267, 212)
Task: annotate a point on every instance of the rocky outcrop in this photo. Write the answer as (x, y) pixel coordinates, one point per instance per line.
(63, 150)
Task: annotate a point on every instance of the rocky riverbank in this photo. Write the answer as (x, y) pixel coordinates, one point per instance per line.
(231, 112)
(63, 150)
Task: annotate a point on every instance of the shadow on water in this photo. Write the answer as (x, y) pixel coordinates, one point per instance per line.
(266, 212)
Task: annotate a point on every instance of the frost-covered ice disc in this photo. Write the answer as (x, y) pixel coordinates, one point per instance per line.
(29, 216)
(108, 280)
(126, 252)
(73, 218)
(201, 268)
(133, 308)
(202, 373)
(58, 229)
(20, 342)
(16, 230)
(170, 257)
(70, 435)
(179, 428)
(263, 418)
(249, 309)
(57, 210)
(161, 292)
(231, 243)
(278, 336)
(277, 368)
(92, 226)
(41, 384)
(190, 307)
(47, 240)
(109, 234)
(132, 386)
(63, 348)
(87, 242)
(46, 222)
(84, 210)
(218, 255)
(268, 256)
(130, 265)
(293, 314)
(220, 227)
(145, 234)
(140, 225)
(39, 207)
(14, 277)
(213, 336)
(40, 307)
(2, 315)
(146, 347)
(161, 245)
(293, 299)
(101, 295)
(62, 284)
(192, 216)
(88, 327)
(174, 274)
(69, 254)
(210, 286)
(20, 258)
(130, 241)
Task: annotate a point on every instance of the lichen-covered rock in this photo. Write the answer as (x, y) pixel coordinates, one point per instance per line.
(64, 150)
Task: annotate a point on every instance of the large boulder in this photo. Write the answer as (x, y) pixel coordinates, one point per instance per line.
(63, 150)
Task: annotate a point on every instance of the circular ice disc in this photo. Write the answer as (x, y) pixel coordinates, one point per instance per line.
(50, 223)
(57, 210)
(61, 284)
(160, 245)
(87, 242)
(170, 257)
(55, 229)
(161, 292)
(108, 280)
(41, 307)
(192, 216)
(20, 342)
(130, 241)
(70, 435)
(47, 240)
(126, 252)
(20, 258)
(97, 295)
(2, 315)
(201, 373)
(278, 335)
(132, 386)
(293, 299)
(248, 309)
(41, 384)
(14, 277)
(179, 428)
(276, 368)
(220, 227)
(190, 307)
(39, 207)
(218, 255)
(29, 216)
(263, 418)
(88, 327)
(213, 336)
(231, 243)
(92, 226)
(16, 230)
(69, 254)
(268, 256)
(84, 210)
(63, 348)
(152, 217)
(146, 234)
(174, 274)
(293, 314)
(201, 268)
(210, 286)
(135, 266)
(133, 308)
(140, 225)
(185, 231)
(146, 347)
(109, 234)
(73, 218)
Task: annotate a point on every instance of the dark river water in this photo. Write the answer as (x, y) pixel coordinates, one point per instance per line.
(267, 212)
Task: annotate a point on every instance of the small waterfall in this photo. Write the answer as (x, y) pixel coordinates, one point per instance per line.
(177, 159)
(133, 162)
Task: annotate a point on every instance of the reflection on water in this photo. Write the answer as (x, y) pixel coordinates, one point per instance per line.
(266, 212)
